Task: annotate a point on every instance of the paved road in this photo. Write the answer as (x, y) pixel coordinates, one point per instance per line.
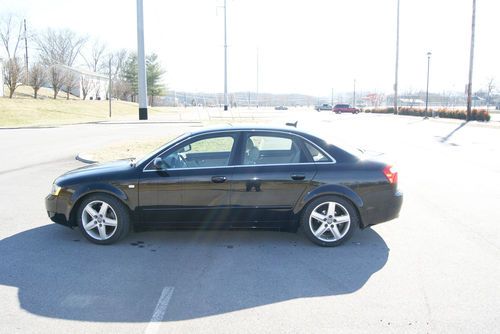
(435, 269)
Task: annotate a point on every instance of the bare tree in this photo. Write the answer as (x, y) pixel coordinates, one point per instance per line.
(87, 85)
(59, 47)
(12, 71)
(491, 87)
(71, 81)
(10, 35)
(56, 78)
(95, 56)
(37, 78)
(118, 60)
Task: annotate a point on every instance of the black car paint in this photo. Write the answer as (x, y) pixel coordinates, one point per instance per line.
(267, 196)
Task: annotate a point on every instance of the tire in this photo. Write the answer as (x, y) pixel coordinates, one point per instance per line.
(329, 221)
(103, 225)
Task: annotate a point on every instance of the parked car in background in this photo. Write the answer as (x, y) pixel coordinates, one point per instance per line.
(324, 106)
(340, 108)
(280, 108)
(233, 177)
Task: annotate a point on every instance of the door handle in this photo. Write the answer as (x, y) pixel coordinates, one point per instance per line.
(298, 177)
(219, 179)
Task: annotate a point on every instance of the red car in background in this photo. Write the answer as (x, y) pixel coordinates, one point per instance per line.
(340, 108)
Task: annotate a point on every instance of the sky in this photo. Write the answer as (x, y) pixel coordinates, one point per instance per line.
(308, 47)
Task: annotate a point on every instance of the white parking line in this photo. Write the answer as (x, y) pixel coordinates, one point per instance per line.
(159, 313)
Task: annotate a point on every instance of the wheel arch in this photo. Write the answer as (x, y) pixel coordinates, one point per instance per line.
(105, 189)
(331, 190)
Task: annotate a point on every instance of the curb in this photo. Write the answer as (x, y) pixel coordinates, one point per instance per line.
(85, 158)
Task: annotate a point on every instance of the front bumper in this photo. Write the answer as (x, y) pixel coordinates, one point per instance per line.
(51, 206)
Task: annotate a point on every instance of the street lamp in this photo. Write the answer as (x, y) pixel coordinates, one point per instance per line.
(427, 91)
(225, 59)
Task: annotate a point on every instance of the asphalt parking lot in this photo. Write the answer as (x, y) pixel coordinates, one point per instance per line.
(434, 269)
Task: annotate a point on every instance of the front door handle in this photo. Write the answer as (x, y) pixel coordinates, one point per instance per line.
(219, 179)
(298, 177)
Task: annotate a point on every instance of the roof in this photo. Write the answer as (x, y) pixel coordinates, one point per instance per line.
(251, 127)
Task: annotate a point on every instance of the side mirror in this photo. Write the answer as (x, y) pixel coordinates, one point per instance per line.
(158, 163)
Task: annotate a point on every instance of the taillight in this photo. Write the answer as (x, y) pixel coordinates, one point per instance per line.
(391, 174)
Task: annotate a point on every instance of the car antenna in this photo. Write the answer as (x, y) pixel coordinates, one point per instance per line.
(292, 124)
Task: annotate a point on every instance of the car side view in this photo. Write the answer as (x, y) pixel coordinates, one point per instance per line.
(341, 108)
(233, 177)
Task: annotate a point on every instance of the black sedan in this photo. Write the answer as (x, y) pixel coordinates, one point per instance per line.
(244, 177)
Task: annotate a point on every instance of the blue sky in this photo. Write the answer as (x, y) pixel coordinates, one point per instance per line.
(304, 46)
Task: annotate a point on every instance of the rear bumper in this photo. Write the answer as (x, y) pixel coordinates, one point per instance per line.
(388, 211)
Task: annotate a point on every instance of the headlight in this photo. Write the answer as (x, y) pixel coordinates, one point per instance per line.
(55, 190)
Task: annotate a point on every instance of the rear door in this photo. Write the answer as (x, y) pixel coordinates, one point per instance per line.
(272, 173)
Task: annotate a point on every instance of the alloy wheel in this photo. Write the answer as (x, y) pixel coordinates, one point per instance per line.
(329, 221)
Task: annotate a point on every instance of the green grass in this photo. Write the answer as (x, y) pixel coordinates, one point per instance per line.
(23, 110)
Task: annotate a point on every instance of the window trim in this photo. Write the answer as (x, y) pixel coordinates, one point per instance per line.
(188, 141)
(239, 134)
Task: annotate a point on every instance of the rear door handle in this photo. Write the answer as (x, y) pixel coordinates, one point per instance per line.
(219, 179)
(298, 177)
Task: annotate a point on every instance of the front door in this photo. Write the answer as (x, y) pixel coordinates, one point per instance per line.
(193, 185)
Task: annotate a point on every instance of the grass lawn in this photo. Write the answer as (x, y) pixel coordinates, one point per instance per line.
(23, 110)
(129, 149)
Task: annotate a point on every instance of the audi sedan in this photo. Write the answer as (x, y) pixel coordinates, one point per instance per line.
(234, 177)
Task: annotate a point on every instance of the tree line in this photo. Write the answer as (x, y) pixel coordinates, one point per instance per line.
(57, 51)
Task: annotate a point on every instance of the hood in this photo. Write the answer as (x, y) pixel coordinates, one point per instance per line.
(96, 171)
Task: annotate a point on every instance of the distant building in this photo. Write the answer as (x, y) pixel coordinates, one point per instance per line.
(411, 102)
(91, 85)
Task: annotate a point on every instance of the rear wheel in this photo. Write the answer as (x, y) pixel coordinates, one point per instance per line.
(329, 221)
(103, 219)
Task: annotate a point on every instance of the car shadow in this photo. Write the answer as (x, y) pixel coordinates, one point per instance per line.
(59, 274)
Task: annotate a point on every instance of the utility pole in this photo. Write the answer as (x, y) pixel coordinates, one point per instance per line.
(396, 111)
(471, 62)
(427, 90)
(141, 62)
(110, 87)
(354, 95)
(332, 98)
(225, 59)
(257, 96)
(26, 54)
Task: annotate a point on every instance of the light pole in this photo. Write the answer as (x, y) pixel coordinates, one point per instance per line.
(225, 59)
(427, 91)
(471, 62)
(141, 63)
(397, 65)
(354, 95)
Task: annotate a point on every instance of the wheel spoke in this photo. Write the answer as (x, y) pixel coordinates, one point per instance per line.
(342, 219)
(90, 225)
(104, 209)
(331, 209)
(90, 211)
(109, 222)
(321, 229)
(335, 231)
(318, 216)
(102, 231)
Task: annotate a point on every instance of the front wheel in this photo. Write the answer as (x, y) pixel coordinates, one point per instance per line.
(329, 221)
(103, 219)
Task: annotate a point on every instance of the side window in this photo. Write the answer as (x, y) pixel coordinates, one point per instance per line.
(207, 152)
(269, 150)
(316, 154)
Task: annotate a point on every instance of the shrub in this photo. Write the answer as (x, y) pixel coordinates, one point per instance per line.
(481, 115)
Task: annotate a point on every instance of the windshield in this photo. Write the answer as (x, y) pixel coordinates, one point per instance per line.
(161, 148)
